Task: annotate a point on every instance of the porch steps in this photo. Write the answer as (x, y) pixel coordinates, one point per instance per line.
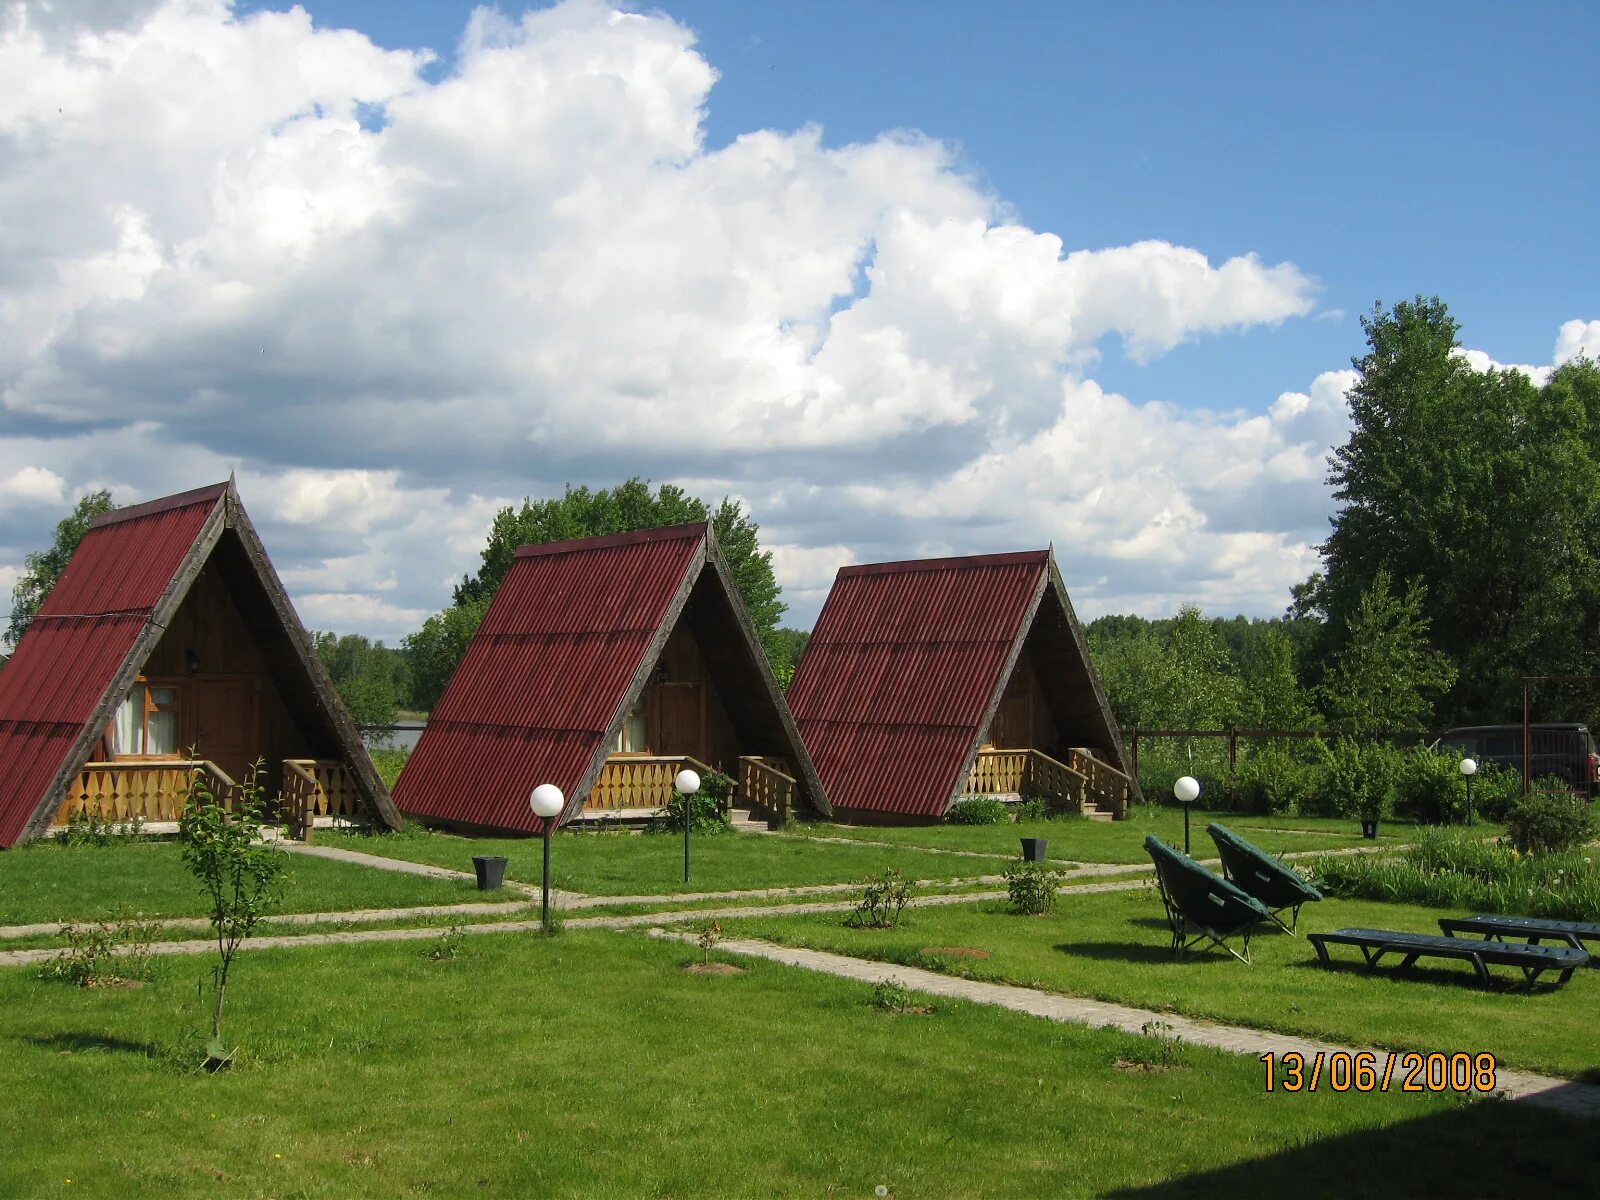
(1094, 812)
(741, 820)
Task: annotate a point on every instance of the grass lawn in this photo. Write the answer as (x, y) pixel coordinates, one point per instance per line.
(626, 864)
(592, 1065)
(1082, 840)
(1114, 946)
(42, 881)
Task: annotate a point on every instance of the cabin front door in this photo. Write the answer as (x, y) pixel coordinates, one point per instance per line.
(227, 723)
(683, 723)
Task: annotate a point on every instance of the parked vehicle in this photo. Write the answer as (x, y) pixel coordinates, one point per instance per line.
(1564, 749)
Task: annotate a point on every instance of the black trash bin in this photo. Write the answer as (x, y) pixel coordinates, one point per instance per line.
(1033, 849)
(491, 869)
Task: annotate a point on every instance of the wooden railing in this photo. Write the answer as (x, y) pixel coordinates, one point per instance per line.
(1108, 787)
(147, 791)
(765, 783)
(639, 780)
(315, 788)
(1065, 785)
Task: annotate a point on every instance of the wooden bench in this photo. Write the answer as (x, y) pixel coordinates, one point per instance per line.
(1533, 961)
(1497, 928)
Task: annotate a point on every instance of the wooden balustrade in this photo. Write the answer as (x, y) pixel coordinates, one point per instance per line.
(1062, 786)
(1026, 772)
(998, 772)
(315, 788)
(765, 783)
(1107, 786)
(147, 791)
(639, 780)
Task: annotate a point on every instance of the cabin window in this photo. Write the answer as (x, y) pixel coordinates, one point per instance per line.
(635, 735)
(147, 722)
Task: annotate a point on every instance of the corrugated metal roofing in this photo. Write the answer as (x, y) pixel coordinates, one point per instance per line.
(81, 638)
(900, 670)
(545, 675)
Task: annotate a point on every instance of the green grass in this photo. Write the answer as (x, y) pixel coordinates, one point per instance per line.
(625, 864)
(42, 881)
(591, 1065)
(1079, 839)
(1114, 947)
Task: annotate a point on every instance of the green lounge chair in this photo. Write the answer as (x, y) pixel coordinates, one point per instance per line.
(1202, 905)
(1277, 886)
(1532, 961)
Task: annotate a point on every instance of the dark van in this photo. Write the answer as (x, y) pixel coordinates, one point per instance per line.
(1562, 749)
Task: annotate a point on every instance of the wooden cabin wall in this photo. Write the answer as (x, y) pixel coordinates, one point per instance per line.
(1022, 720)
(233, 684)
(687, 665)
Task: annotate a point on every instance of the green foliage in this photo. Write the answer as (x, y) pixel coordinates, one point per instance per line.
(706, 812)
(1386, 675)
(710, 934)
(104, 953)
(433, 652)
(1278, 778)
(91, 827)
(1035, 808)
(447, 946)
(1549, 821)
(240, 876)
(1163, 761)
(978, 810)
(1358, 779)
(371, 678)
(1032, 887)
(1454, 869)
(893, 996)
(784, 648)
(42, 568)
(1494, 790)
(882, 903)
(389, 764)
(1271, 695)
(1156, 1049)
(1485, 489)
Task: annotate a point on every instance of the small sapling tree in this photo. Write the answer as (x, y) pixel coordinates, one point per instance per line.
(240, 875)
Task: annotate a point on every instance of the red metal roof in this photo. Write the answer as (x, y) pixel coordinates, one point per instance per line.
(81, 638)
(899, 672)
(545, 675)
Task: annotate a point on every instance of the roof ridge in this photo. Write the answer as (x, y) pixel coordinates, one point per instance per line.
(201, 495)
(953, 563)
(660, 533)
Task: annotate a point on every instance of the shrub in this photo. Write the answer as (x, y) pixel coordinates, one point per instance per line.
(979, 810)
(448, 945)
(1494, 790)
(705, 811)
(1429, 786)
(1035, 808)
(1357, 780)
(1454, 869)
(885, 898)
(86, 827)
(1274, 779)
(389, 763)
(1032, 887)
(893, 996)
(710, 935)
(1549, 822)
(104, 952)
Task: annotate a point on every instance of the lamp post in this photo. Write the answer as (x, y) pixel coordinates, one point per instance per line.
(1187, 791)
(1469, 768)
(547, 803)
(687, 783)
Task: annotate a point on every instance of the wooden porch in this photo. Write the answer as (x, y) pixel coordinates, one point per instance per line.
(154, 791)
(1083, 784)
(636, 786)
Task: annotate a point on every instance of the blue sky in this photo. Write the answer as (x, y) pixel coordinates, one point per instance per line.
(1106, 298)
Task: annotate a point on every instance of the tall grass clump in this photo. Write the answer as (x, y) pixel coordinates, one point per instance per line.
(1451, 869)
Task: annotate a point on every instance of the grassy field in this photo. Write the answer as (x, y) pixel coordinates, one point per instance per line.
(1078, 839)
(593, 1065)
(46, 882)
(625, 864)
(1114, 946)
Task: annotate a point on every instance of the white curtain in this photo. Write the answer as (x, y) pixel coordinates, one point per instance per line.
(126, 731)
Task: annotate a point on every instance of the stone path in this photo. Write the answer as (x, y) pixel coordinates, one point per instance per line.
(12, 958)
(1576, 1099)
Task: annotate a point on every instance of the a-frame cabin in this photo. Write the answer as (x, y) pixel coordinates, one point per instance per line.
(931, 680)
(604, 666)
(169, 645)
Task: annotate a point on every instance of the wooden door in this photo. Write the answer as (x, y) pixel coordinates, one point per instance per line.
(227, 723)
(683, 719)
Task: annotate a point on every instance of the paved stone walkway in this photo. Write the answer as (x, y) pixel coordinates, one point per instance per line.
(1576, 1099)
